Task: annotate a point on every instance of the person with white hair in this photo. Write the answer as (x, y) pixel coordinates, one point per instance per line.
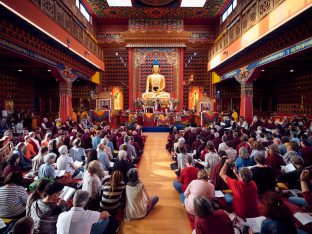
(76, 152)
(122, 164)
(107, 149)
(47, 170)
(79, 220)
(130, 148)
(103, 157)
(65, 162)
(45, 124)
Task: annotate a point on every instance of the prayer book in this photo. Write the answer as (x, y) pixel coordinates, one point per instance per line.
(111, 164)
(288, 168)
(304, 218)
(218, 193)
(255, 223)
(59, 173)
(78, 164)
(67, 193)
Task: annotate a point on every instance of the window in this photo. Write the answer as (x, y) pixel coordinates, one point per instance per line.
(83, 10)
(229, 10)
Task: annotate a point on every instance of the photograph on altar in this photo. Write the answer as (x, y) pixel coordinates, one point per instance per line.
(205, 106)
(105, 104)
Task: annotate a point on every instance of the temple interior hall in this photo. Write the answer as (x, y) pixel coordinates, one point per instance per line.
(155, 116)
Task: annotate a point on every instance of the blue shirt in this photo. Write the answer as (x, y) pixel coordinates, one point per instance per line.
(95, 142)
(103, 157)
(240, 162)
(46, 171)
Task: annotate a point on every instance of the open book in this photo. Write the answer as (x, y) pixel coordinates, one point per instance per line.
(304, 218)
(78, 164)
(288, 168)
(59, 173)
(67, 193)
(218, 193)
(111, 164)
(293, 192)
(255, 223)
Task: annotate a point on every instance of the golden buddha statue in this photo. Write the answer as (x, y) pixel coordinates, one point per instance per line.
(157, 84)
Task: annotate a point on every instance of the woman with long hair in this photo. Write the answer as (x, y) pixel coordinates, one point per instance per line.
(113, 193)
(36, 195)
(45, 211)
(279, 218)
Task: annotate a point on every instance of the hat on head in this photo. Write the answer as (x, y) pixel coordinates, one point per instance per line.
(156, 62)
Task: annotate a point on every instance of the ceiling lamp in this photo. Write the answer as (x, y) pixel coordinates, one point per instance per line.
(193, 3)
(119, 3)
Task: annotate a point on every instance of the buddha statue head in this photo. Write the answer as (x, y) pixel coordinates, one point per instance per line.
(156, 66)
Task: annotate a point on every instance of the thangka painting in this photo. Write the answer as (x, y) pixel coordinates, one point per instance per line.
(169, 61)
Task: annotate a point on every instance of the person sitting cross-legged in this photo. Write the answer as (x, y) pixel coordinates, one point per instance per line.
(138, 203)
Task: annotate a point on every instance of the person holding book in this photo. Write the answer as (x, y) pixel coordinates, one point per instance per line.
(291, 178)
(79, 220)
(244, 160)
(208, 221)
(47, 170)
(45, 211)
(306, 200)
(138, 203)
(65, 162)
(279, 218)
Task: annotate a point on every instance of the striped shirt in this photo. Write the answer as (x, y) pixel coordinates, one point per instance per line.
(13, 199)
(111, 201)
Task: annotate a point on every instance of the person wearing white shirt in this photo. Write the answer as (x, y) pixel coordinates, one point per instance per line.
(242, 123)
(211, 158)
(78, 220)
(223, 145)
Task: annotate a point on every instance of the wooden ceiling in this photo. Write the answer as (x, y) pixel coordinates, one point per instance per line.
(160, 9)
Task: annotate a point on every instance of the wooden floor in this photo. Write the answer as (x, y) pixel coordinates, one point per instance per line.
(169, 216)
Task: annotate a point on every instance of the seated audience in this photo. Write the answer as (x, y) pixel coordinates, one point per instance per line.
(92, 182)
(39, 193)
(103, 157)
(244, 160)
(274, 159)
(306, 152)
(122, 165)
(79, 220)
(208, 221)
(138, 202)
(47, 170)
(38, 160)
(199, 187)
(212, 157)
(262, 175)
(292, 178)
(29, 149)
(113, 193)
(13, 165)
(13, 197)
(244, 190)
(24, 225)
(187, 175)
(65, 162)
(306, 200)
(76, 152)
(45, 211)
(292, 150)
(24, 163)
(279, 218)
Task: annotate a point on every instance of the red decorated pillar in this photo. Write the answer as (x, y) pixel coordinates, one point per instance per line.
(131, 97)
(181, 78)
(66, 107)
(245, 77)
(246, 103)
